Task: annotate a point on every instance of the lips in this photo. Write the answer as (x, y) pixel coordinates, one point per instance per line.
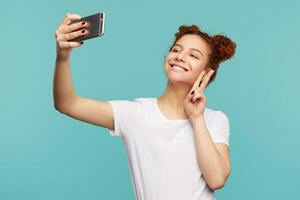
(185, 69)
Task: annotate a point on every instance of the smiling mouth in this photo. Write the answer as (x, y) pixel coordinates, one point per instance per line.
(176, 66)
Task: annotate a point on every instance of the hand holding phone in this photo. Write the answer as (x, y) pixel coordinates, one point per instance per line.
(73, 30)
(94, 28)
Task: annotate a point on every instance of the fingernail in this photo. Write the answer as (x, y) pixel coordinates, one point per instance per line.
(83, 23)
(82, 31)
(81, 43)
(192, 92)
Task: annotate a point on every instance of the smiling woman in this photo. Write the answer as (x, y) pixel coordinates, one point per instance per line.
(177, 147)
(213, 49)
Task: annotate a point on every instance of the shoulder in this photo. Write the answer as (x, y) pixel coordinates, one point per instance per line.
(136, 101)
(144, 100)
(219, 126)
(131, 104)
(216, 115)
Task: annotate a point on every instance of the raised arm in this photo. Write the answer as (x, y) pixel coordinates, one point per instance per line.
(65, 99)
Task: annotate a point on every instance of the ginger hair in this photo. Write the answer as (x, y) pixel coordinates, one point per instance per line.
(222, 48)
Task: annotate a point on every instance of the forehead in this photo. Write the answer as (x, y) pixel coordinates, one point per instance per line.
(193, 41)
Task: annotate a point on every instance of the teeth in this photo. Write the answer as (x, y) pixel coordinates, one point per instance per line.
(176, 68)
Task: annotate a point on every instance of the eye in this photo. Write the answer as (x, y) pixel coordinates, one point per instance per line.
(194, 56)
(174, 50)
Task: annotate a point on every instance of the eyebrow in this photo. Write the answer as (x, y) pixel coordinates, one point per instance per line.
(191, 49)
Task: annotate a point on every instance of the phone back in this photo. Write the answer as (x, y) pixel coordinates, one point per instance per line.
(95, 28)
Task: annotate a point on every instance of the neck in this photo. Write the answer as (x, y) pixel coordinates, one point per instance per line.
(173, 97)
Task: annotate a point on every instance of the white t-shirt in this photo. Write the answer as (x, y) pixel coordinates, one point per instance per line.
(161, 152)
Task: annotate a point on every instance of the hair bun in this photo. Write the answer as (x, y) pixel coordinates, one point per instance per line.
(224, 47)
(184, 29)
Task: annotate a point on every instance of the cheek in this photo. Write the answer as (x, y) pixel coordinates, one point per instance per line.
(197, 66)
(169, 57)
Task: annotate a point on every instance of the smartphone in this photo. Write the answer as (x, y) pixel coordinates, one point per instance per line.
(95, 26)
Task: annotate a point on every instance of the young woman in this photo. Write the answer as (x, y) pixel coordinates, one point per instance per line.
(177, 147)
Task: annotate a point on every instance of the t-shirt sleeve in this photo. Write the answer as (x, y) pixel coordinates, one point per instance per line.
(124, 112)
(221, 131)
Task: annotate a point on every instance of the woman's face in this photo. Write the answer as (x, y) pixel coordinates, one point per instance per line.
(190, 54)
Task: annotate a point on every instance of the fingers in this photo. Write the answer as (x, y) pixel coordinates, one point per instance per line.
(70, 36)
(197, 96)
(74, 27)
(66, 27)
(205, 80)
(200, 85)
(67, 31)
(69, 18)
(195, 86)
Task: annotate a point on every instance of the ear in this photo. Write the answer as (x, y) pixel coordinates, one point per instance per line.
(207, 69)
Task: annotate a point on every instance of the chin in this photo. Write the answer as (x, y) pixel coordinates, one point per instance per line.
(177, 77)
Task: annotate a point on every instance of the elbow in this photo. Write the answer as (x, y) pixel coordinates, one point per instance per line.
(59, 109)
(218, 181)
(56, 107)
(63, 106)
(216, 184)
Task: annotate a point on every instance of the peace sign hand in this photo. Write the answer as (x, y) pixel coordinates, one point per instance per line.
(195, 101)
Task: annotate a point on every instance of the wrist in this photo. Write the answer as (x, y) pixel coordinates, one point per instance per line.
(199, 118)
(63, 55)
(62, 58)
(198, 122)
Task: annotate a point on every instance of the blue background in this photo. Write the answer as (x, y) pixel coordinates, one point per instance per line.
(47, 155)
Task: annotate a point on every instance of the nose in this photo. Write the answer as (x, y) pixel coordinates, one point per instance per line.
(180, 57)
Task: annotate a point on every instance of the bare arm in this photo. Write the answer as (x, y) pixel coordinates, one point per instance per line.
(63, 91)
(65, 99)
(213, 158)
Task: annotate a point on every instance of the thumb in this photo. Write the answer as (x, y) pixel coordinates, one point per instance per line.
(70, 17)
